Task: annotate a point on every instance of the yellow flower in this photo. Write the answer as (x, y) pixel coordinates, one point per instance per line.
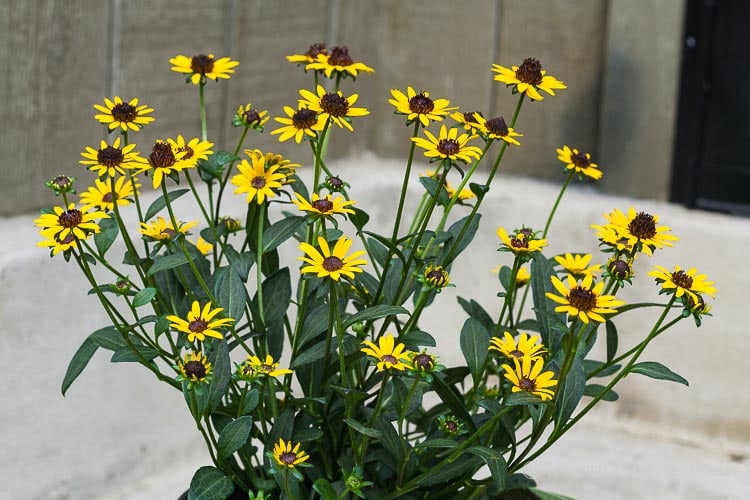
(579, 162)
(528, 377)
(496, 128)
(161, 230)
(202, 66)
(253, 367)
(195, 369)
(469, 120)
(62, 223)
(682, 282)
(640, 230)
(338, 60)
(420, 106)
(164, 160)
(250, 117)
(199, 324)
(581, 300)
(285, 166)
(529, 79)
(332, 105)
(300, 124)
(111, 159)
(203, 246)
(577, 265)
(448, 145)
(436, 277)
(258, 182)
(123, 115)
(526, 346)
(289, 457)
(465, 194)
(523, 276)
(192, 151)
(333, 264)
(310, 56)
(324, 206)
(523, 241)
(102, 196)
(387, 353)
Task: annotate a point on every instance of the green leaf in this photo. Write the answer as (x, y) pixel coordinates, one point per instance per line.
(231, 294)
(106, 236)
(219, 358)
(159, 203)
(658, 371)
(315, 323)
(475, 342)
(476, 311)
(522, 398)
(572, 392)
(209, 483)
(314, 353)
(453, 400)
(546, 495)
(277, 295)
(611, 340)
(594, 390)
(234, 436)
(144, 296)
(240, 262)
(391, 440)
(250, 402)
(468, 236)
(367, 431)
(495, 463)
(167, 262)
(417, 338)
(127, 355)
(432, 185)
(80, 359)
(437, 443)
(281, 231)
(107, 338)
(359, 218)
(550, 323)
(324, 489)
(464, 464)
(374, 312)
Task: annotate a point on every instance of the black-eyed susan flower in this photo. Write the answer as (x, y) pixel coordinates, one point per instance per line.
(578, 264)
(522, 242)
(451, 425)
(191, 151)
(253, 368)
(618, 269)
(325, 206)
(583, 301)
(71, 221)
(163, 230)
(448, 145)
(62, 184)
(200, 67)
(123, 115)
(528, 78)
(164, 160)
(257, 180)
(612, 241)
(422, 362)
(285, 166)
(387, 353)
(310, 56)
(57, 244)
(339, 61)
(579, 162)
(496, 128)
(248, 116)
(335, 184)
(200, 323)
(683, 282)
(288, 456)
(420, 106)
(526, 375)
(232, 224)
(102, 196)
(640, 229)
(110, 159)
(331, 263)
(468, 120)
(195, 369)
(527, 345)
(435, 277)
(299, 124)
(333, 106)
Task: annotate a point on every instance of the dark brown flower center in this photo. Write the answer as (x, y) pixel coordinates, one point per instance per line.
(195, 370)
(198, 325)
(322, 205)
(316, 49)
(335, 183)
(696, 306)
(643, 226)
(436, 276)
(288, 458)
(265, 368)
(340, 57)
(580, 160)
(619, 269)
(332, 264)
(421, 103)
(516, 353)
(188, 152)
(108, 197)
(304, 118)
(62, 181)
(389, 358)
(527, 233)
(423, 362)
(202, 64)
(530, 71)
(122, 285)
(70, 218)
(448, 147)
(526, 384)
(110, 157)
(251, 116)
(168, 232)
(582, 299)
(497, 126)
(334, 104)
(519, 242)
(470, 116)
(162, 156)
(451, 426)
(258, 182)
(68, 239)
(682, 279)
(124, 112)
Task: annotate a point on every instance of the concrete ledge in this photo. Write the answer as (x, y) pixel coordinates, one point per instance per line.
(117, 430)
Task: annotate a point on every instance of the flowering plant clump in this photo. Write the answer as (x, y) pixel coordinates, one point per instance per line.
(315, 378)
